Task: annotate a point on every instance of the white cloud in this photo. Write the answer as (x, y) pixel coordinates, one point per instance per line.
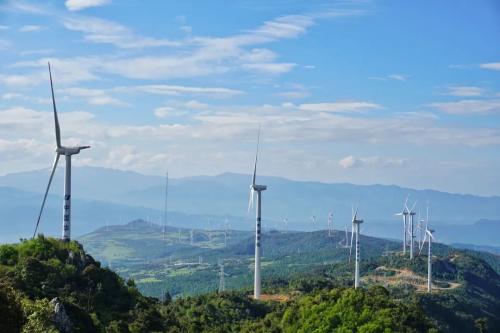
(31, 28)
(397, 77)
(101, 31)
(465, 91)
(469, 106)
(175, 90)
(4, 27)
(294, 94)
(354, 106)
(348, 162)
(195, 105)
(270, 68)
(94, 96)
(75, 5)
(492, 65)
(22, 81)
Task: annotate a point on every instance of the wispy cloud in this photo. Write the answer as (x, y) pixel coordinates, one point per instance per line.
(107, 32)
(354, 106)
(75, 5)
(492, 65)
(394, 77)
(469, 106)
(94, 96)
(350, 162)
(31, 28)
(175, 90)
(465, 91)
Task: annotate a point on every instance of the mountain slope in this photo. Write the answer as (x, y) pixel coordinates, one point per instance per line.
(285, 198)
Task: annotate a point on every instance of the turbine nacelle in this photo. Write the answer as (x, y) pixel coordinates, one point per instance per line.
(70, 150)
(258, 187)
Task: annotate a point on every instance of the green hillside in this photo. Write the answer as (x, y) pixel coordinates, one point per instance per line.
(50, 286)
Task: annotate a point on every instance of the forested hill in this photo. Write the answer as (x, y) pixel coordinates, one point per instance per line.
(50, 286)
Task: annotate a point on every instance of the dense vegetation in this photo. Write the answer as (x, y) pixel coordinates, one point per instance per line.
(40, 277)
(37, 272)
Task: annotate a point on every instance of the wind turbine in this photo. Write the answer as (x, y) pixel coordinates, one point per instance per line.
(313, 221)
(226, 223)
(404, 213)
(256, 188)
(346, 239)
(285, 221)
(429, 237)
(67, 152)
(356, 224)
(330, 224)
(165, 207)
(411, 229)
(222, 282)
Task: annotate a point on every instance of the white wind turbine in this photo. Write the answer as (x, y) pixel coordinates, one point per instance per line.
(404, 213)
(165, 207)
(330, 224)
(313, 221)
(256, 188)
(429, 237)
(285, 222)
(226, 224)
(411, 229)
(355, 225)
(346, 239)
(67, 152)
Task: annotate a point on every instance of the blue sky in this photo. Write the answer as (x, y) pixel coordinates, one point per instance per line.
(391, 92)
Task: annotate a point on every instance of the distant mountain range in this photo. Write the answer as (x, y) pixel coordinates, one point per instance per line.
(120, 196)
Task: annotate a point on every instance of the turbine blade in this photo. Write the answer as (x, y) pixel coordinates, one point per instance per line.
(54, 166)
(406, 202)
(414, 204)
(422, 245)
(250, 200)
(256, 156)
(352, 237)
(56, 120)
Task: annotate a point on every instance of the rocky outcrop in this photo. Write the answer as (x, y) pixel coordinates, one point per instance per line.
(61, 318)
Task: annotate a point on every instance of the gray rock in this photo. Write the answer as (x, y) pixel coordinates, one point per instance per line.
(61, 318)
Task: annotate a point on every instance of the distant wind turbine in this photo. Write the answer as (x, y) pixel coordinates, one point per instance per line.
(404, 213)
(165, 207)
(429, 237)
(257, 188)
(356, 224)
(330, 224)
(411, 230)
(67, 152)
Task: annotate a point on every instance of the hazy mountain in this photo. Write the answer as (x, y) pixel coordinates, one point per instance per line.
(106, 194)
(19, 210)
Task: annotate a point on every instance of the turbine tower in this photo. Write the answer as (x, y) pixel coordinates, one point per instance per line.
(411, 230)
(67, 152)
(165, 207)
(330, 224)
(285, 221)
(355, 224)
(429, 237)
(222, 282)
(404, 213)
(256, 188)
